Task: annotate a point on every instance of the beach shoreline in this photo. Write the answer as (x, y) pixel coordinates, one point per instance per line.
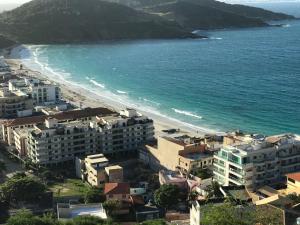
(83, 97)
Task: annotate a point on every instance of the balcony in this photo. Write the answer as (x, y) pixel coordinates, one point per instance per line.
(236, 179)
(237, 171)
(219, 164)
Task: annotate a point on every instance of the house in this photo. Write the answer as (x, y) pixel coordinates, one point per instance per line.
(96, 171)
(117, 191)
(170, 177)
(114, 173)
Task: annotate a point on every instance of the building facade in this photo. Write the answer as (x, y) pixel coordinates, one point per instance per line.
(176, 153)
(14, 103)
(124, 133)
(42, 92)
(95, 169)
(53, 142)
(263, 161)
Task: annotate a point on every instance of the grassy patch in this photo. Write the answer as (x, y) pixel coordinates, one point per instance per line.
(70, 187)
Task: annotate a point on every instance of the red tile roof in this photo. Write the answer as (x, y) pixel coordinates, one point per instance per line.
(294, 176)
(67, 115)
(116, 188)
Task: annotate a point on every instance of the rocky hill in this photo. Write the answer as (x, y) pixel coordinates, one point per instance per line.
(69, 21)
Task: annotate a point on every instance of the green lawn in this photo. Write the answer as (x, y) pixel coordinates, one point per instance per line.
(70, 187)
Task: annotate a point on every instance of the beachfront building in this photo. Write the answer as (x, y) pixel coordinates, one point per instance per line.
(42, 92)
(183, 153)
(124, 133)
(14, 103)
(263, 161)
(83, 115)
(53, 142)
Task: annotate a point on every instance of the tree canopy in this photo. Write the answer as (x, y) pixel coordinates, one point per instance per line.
(230, 214)
(15, 188)
(111, 206)
(94, 195)
(167, 195)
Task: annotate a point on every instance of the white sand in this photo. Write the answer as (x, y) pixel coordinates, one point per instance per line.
(77, 94)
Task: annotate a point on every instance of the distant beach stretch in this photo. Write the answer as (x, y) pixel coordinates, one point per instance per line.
(201, 86)
(80, 96)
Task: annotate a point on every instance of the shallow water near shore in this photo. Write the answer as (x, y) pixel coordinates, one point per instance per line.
(236, 79)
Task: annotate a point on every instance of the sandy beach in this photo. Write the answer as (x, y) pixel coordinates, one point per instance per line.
(78, 95)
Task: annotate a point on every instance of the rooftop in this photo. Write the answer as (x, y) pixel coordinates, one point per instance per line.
(294, 176)
(268, 142)
(116, 188)
(67, 115)
(100, 158)
(68, 211)
(115, 167)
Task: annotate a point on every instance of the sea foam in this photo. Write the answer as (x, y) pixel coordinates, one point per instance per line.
(187, 113)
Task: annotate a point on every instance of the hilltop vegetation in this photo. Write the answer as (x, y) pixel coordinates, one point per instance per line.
(54, 21)
(77, 21)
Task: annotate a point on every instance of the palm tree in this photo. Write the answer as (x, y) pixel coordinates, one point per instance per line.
(213, 190)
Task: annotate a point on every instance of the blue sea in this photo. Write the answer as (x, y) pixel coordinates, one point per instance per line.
(247, 79)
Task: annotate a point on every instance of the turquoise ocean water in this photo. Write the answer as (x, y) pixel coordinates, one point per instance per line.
(245, 79)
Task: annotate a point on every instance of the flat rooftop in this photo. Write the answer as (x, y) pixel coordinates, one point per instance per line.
(67, 211)
(196, 155)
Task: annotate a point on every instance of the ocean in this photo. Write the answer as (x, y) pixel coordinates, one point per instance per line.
(247, 79)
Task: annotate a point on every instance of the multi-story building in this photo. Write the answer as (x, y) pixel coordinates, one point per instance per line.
(14, 103)
(41, 91)
(20, 136)
(114, 174)
(173, 153)
(53, 142)
(83, 115)
(124, 133)
(263, 161)
(95, 169)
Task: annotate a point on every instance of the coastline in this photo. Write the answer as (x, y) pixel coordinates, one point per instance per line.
(77, 95)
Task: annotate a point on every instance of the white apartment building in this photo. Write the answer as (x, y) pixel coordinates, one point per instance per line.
(54, 142)
(42, 92)
(263, 161)
(125, 132)
(14, 103)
